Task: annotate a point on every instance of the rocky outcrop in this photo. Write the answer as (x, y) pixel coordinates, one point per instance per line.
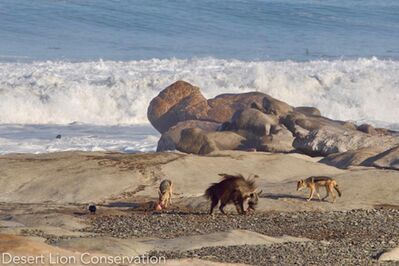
(254, 120)
(329, 140)
(347, 159)
(182, 101)
(387, 159)
(249, 115)
(372, 156)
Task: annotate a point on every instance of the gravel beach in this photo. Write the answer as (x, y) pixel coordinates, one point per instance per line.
(339, 237)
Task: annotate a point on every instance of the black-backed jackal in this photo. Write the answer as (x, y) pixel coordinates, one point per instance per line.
(233, 189)
(314, 182)
(165, 193)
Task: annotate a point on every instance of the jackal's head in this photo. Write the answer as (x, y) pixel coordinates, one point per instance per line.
(300, 185)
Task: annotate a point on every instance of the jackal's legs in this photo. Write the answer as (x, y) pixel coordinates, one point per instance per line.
(317, 193)
(331, 188)
(312, 190)
(328, 193)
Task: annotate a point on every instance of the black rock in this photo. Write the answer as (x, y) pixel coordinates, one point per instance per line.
(92, 208)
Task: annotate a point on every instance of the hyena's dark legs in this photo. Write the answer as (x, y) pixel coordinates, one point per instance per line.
(221, 207)
(226, 198)
(239, 206)
(213, 204)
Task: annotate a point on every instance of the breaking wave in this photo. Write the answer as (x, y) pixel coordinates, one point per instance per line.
(118, 93)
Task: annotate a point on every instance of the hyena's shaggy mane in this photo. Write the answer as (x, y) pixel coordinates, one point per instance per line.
(250, 182)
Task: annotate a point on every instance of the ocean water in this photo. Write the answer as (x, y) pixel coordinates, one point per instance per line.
(88, 69)
(240, 29)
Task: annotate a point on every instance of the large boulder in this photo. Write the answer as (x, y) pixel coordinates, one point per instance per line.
(295, 119)
(328, 140)
(194, 140)
(170, 138)
(366, 128)
(223, 106)
(280, 139)
(227, 140)
(197, 141)
(179, 102)
(253, 120)
(306, 110)
(276, 107)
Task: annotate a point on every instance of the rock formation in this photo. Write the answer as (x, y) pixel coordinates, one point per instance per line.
(256, 121)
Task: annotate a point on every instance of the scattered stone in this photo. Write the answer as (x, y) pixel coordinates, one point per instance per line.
(351, 237)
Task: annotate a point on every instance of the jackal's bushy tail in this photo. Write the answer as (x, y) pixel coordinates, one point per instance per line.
(338, 191)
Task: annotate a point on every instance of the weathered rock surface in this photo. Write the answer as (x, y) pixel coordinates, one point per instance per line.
(387, 159)
(352, 158)
(391, 255)
(366, 128)
(253, 120)
(170, 138)
(376, 156)
(329, 140)
(306, 110)
(280, 141)
(223, 106)
(197, 141)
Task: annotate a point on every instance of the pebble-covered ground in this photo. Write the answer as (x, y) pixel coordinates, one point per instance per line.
(340, 238)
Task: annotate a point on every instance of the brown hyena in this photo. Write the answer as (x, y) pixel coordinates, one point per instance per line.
(233, 189)
(165, 193)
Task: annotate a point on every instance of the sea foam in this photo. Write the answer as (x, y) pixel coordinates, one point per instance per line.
(118, 93)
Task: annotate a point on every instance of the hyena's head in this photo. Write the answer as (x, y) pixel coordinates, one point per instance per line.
(300, 185)
(253, 200)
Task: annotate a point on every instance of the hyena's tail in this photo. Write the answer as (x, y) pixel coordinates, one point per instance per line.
(337, 189)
